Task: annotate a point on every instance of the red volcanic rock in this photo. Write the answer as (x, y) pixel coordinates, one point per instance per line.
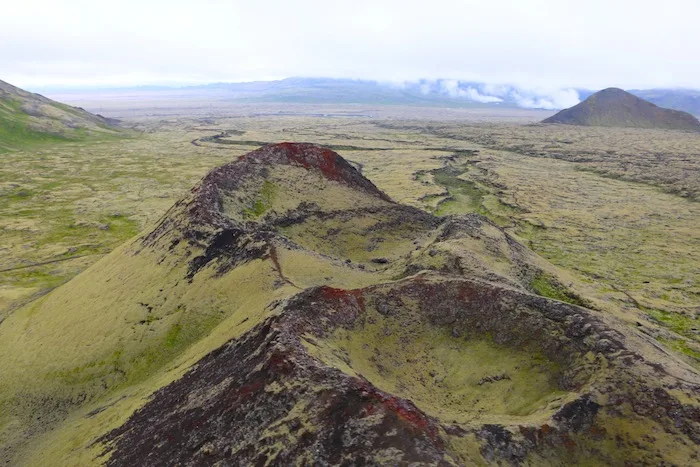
(312, 157)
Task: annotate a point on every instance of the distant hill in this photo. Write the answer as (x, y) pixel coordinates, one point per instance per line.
(303, 90)
(348, 91)
(27, 118)
(687, 100)
(429, 93)
(614, 107)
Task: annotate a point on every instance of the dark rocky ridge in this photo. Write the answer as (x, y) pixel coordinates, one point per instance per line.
(617, 108)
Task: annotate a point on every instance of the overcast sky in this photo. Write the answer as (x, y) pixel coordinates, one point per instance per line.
(546, 43)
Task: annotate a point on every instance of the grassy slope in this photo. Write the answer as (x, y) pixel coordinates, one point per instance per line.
(28, 120)
(15, 129)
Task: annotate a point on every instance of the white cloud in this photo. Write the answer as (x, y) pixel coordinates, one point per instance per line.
(522, 96)
(475, 95)
(545, 99)
(454, 88)
(450, 87)
(548, 43)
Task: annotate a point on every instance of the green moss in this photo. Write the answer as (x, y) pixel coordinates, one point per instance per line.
(528, 230)
(119, 227)
(465, 197)
(92, 371)
(359, 239)
(37, 277)
(263, 202)
(19, 194)
(547, 286)
(683, 347)
(171, 338)
(60, 226)
(682, 324)
(468, 196)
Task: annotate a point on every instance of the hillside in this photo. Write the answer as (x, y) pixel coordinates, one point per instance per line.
(287, 310)
(614, 107)
(27, 118)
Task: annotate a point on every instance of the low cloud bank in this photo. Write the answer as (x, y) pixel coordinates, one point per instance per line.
(453, 89)
(529, 98)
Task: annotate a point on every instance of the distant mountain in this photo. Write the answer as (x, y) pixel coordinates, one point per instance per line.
(432, 93)
(441, 92)
(328, 91)
(687, 100)
(614, 107)
(27, 118)
(349, 91)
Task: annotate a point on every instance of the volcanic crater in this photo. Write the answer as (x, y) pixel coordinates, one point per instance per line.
(443, 358)
(329, 325)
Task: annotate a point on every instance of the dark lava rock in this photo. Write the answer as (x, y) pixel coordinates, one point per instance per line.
(577, 415)
(380, 260)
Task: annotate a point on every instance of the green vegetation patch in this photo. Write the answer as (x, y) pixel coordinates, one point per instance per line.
(16, 130)
(264, 202)
(685, 325)
(465, 197)
(361, 238)
(468, 196)
(682, 346)
(546, 285)
(34, 277)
